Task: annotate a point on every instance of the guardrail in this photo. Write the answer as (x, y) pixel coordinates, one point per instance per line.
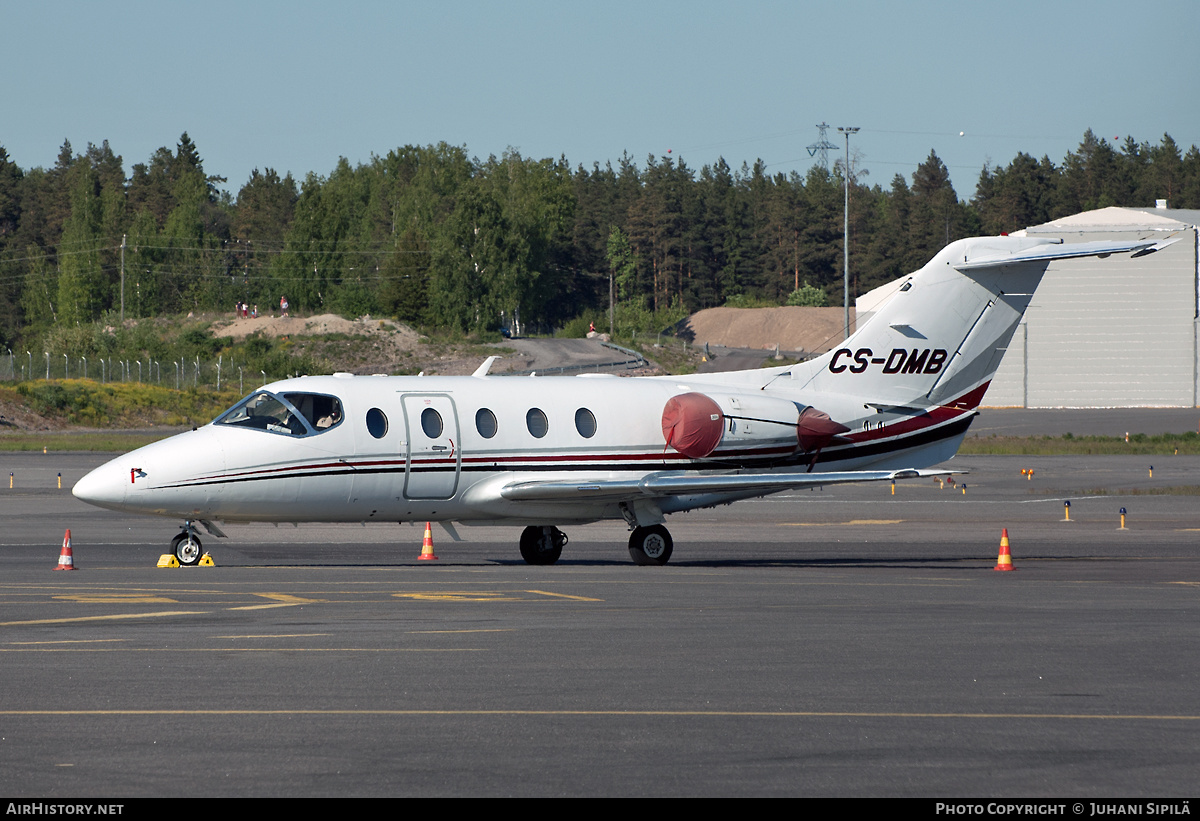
(633, 360)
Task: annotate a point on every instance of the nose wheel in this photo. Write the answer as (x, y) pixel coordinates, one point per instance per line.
(187, 548)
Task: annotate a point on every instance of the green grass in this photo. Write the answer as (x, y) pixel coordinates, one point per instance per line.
(1139, 444)
(118, 405)
(90, 441)
(1171, 490)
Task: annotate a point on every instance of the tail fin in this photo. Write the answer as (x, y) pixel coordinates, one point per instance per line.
(939, 340)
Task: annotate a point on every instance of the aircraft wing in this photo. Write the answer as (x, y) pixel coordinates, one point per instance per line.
(675, 483)
(1060, 250)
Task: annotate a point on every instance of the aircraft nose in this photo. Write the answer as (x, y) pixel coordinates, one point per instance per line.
(103, 486)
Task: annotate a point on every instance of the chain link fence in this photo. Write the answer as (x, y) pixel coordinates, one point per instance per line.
(179, 373)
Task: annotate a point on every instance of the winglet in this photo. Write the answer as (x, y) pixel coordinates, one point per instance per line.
(483, 369)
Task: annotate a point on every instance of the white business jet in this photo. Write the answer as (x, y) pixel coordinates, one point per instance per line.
(895, 399)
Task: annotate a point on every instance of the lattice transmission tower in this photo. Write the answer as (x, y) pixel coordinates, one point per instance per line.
(822, 147)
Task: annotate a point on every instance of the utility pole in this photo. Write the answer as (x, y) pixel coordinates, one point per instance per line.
(611, 315)
(847, 130)
(122, 279)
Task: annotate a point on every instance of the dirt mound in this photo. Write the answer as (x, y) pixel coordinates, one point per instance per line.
(317, 325)
(813, 330)
(16, 415)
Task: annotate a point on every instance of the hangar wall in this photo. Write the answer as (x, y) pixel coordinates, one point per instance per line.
(1116, 332)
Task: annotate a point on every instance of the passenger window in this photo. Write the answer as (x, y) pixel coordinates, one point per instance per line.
(431, 423)
(585, 423)
(535, 420)
(377, 423)
(485, 423)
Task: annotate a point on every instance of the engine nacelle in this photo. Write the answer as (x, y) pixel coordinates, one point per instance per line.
(721, 425)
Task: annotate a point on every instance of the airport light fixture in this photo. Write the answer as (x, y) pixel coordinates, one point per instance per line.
(847, 130)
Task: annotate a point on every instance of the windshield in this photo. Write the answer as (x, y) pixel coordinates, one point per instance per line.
(265, 411)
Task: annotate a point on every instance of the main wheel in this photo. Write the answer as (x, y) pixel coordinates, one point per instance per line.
(650, 545)
(542, 545)
(187, 549)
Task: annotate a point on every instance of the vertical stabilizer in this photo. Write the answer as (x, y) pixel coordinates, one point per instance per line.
(940, 339)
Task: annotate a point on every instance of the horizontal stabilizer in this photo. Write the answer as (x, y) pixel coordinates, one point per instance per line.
(1060, 250)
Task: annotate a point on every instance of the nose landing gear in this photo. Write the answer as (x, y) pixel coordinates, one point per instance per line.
(186, 546)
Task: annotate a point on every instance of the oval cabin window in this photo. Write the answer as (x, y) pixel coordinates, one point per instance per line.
(431, 423)
(585, 423)
(485, 423)
(377, 423)
(535, 420)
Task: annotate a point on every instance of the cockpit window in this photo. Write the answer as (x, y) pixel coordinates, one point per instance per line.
(320, 411)
(292, 414)
(265, 411)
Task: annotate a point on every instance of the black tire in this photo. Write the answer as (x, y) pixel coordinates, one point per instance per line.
(187, 549)
(650, 545)
(541, 547)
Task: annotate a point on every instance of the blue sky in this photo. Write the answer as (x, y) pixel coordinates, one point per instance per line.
(296, 85)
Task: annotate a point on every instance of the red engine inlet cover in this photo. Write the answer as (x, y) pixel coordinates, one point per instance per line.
(815, 429)
(692, 424)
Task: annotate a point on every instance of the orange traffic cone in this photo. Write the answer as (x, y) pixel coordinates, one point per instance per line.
(427, 544)
(66, 561)
(1004, 561)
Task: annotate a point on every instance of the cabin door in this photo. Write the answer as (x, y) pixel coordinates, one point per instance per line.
(434, 457)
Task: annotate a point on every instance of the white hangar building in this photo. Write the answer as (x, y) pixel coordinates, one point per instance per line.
(1106, 333)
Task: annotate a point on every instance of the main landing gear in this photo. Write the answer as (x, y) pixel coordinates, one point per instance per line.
(542, 545)
(650, 545)
(186, 546)
(647, 545)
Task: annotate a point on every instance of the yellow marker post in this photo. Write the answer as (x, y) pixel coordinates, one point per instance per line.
(1122, 527)
(1152, 471)
(60, 481)
(10, 481)
(893, 487)
(1066, 511)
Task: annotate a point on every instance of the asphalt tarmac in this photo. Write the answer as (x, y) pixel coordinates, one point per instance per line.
(844, 642)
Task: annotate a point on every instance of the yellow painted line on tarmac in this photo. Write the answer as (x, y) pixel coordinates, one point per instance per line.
(277, 636)
(562, 596)
(460, 595)
(116, 598)
(487, 596)
(613, 713)
(106, 618)
(417, 633)
(281, 600)
(843, 524)
(457, 595)
(68, 641)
